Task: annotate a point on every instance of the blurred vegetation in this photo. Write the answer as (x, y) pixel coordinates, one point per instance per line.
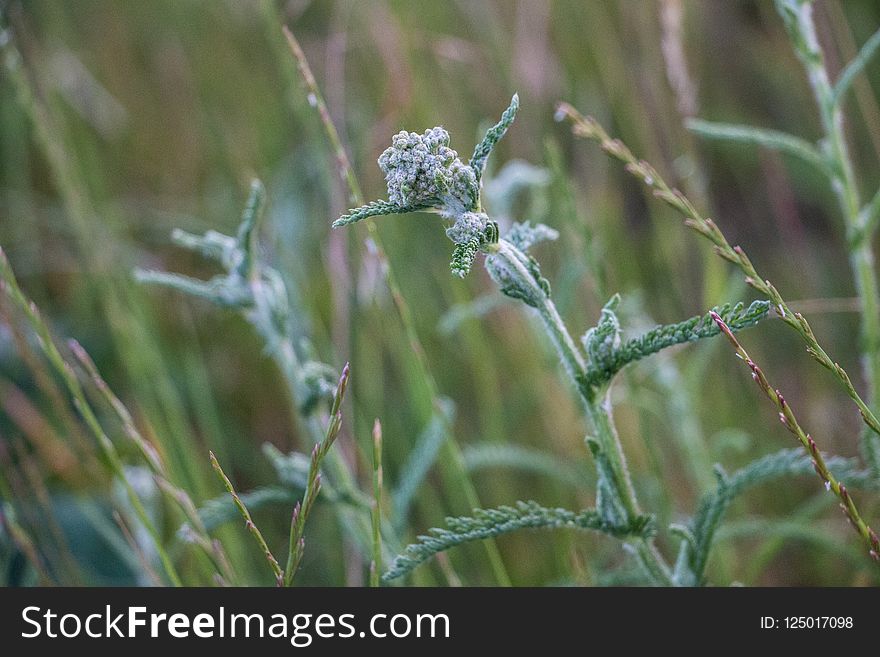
(120, 121)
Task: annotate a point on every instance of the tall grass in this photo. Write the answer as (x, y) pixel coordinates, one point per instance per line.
(471, 406)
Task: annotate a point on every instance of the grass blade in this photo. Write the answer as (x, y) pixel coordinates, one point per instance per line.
(856, 66)
(376, 564)
(419, 462)
(772, 139)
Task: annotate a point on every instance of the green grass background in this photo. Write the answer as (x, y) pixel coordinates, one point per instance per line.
(146, 116)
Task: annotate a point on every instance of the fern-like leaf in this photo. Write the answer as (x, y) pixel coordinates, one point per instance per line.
(605, 363)
(378, 209)
(495, 133)
(794, 463)
(784, 463)
(220, 290)
(608, 503)
(486, 523)
(524, 235)
(463, 257)
(705, 522)
(504, 268)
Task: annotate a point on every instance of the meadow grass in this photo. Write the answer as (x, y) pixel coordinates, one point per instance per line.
(199, 424)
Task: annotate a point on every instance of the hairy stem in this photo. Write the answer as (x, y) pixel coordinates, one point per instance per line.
(598, 409)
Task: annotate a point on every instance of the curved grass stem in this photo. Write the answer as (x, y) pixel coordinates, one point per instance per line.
(790, 422)
(801, 26)
(453, 460)
(588, 128)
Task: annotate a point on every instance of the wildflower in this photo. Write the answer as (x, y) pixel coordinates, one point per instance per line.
(423, 173)
(423, 169)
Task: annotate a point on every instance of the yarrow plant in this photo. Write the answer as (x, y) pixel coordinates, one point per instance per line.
(422, 173)
(423, 169)
(144, 461)
(257, 290)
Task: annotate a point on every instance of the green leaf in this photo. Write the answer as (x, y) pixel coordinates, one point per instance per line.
(794, 462)
(211, 245)
(705, 522)
(463, 256)
(608, 502)
(247, 233)
(236, 254)
(602, 341)
(785, 463)
(773, 139)
(420, 461)
(219, 290)
(486, 523)
(856, 66)
(505, 268)
(606, 360)
(495, 133)
(377, 209)
(524, 235)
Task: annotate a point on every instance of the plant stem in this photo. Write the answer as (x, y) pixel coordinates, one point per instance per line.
(589, 128)
(790, 422)
(376, 564)
(843, 182)
(452, 461)
(598, 408)
(248, 521)
(600, 414)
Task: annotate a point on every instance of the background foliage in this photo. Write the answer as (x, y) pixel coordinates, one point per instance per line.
(123, 121)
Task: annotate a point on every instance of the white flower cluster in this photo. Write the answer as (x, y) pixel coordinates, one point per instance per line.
(467, 226)
(422, 172)
(423, 169)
